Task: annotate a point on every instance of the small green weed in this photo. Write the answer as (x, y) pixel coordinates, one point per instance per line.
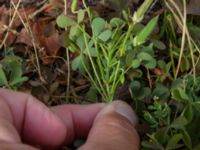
(11, 73)
(162, 68)
(172, 115)
(104, 45)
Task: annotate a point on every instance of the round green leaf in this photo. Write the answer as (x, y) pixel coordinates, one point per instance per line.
(144, 56)
(98, 25)
(74, 31)
(179, 123)
(148, 60)
(64, 21)
(135, 63)
(77, 64)
(81, 15)
(159, 44)
(150, 64)
(188, 113)
(116, 22)
(105, 36)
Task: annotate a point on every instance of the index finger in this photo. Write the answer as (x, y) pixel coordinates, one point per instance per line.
(39, 125)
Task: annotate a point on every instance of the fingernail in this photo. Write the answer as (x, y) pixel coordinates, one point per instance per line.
(123, 109)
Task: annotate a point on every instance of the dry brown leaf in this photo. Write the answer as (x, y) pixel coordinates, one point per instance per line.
(24, 13)
(5, 18)
(25, 38)
(52, 46)
(10, 39)
(47, 38)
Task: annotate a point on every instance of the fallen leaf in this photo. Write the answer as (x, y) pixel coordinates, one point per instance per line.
(4, 20)
(5, 17)
(47, 38)
(52, 46)
(24, 13)
(25, 38)
(10, 39)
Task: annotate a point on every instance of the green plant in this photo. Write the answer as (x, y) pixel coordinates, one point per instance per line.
(11, 74)
(158, 66)
(104, 45)
(172, 115)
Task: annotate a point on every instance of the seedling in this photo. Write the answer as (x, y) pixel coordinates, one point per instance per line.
(104, 45)
(11, 74)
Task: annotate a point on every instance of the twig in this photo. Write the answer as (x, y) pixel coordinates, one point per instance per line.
(183, 38)
(181, 21)
(149, 78)
(10, 24)
(35, 49)
(38, 11)
(68, 61)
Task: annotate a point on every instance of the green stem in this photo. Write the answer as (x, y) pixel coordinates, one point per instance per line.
(172, 60)
(122, 48)
(92, 64)
(114, 85)
(91, 78)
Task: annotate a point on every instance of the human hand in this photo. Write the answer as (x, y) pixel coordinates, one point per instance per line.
(26, 123)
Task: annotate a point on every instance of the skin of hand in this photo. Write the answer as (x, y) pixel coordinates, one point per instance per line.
(27, 124)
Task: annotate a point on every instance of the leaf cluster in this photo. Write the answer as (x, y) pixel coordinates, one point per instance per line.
(11, 72)
(108, 49)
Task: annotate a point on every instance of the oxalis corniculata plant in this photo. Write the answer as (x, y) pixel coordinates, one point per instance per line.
(164, 81)
(167, 103)
(104, 48)
(162, 67)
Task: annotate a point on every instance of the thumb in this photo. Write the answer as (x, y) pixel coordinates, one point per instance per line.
(113, 129)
